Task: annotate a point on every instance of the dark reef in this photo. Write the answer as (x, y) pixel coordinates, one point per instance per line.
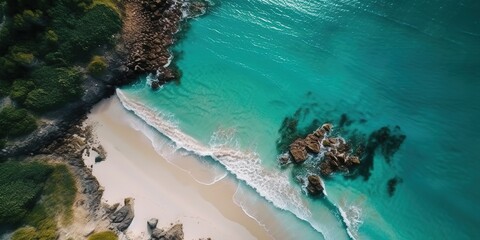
(385, 141)
(392, 185)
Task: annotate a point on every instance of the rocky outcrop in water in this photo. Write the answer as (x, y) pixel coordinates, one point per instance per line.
(314, 186)
(300, 148)
(149, 31)
(336, 152)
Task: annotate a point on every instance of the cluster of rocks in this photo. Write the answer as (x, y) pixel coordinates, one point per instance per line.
(334, 155)
(174, 233)
(300, 148)
(314, 186)
(336, 151)
(148, 33)
(123, 217)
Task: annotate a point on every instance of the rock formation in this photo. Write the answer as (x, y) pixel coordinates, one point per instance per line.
(336, 152)
(122, 218)
(299, 148)
(149, 31)
(174, 233)
(152, 223)
(314, 186)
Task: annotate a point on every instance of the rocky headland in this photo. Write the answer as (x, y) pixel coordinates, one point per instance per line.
(149, 31)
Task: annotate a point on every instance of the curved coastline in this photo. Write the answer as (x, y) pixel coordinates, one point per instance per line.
(283, 195)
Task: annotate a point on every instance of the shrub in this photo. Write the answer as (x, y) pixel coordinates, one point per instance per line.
(20, 90)
(26, 20)
(97, 66)
(80, 36)
(21, 185)
(24, 233)
(106, 235)
(23, 58)
(63, 85)
(58, 195)
(8, 68)
(15, 122)
(4, 87)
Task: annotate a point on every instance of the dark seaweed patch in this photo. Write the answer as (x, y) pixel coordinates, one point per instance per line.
(385, 139)
(392, 185)
(294, 127)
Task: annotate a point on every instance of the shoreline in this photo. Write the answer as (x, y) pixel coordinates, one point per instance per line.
(162, 190)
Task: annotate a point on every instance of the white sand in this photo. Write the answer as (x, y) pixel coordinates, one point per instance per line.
(134, 169)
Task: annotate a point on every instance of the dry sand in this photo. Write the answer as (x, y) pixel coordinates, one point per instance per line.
(161, 190)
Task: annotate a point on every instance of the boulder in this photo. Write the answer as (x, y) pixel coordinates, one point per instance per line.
(157, 234)
(122, 218)
(155, 85)
(298, 151)
(314, 186)
(353, 160)
(320, 132)
(327, 127)
(312, 143)
(152, 223)
(325, 169)
(313, 146)
(174, 233)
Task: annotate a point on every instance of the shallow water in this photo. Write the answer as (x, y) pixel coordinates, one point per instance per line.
(249, 64)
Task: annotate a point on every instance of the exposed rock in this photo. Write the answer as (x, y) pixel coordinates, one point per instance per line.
(298, 151)
(320, 132)
(155, 85)
(314, 186)
(327, 127)
(157, 234)
(175, 233)
(353, 160)
(152, 223)
(122, 218)
(325, 169)
(312, 143)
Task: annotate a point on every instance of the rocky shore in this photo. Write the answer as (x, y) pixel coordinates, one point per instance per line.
(149, 32)
(149, 28)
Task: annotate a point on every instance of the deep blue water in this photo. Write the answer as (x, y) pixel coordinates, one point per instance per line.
(249, 64)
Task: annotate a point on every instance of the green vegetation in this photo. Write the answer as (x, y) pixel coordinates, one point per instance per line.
(107, 235)
(35, 195)
(16, 122)
(97, 66)
(44, 45)
(21, 186)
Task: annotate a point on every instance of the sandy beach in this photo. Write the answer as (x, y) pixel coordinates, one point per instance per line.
(162, 190)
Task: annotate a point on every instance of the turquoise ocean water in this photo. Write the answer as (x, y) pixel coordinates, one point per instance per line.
(249, 64)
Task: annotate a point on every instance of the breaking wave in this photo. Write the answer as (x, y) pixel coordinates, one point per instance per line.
(246, 166)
